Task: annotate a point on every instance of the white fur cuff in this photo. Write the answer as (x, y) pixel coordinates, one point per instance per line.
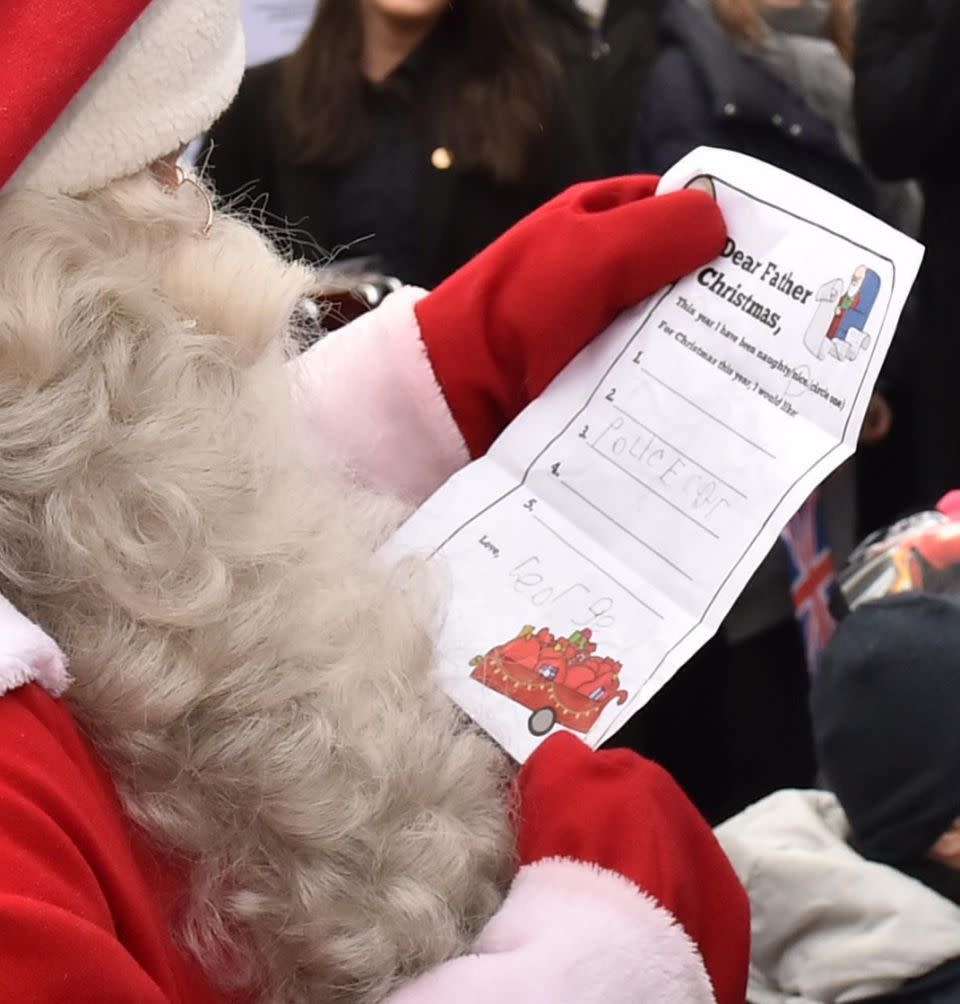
(28, 654)
(373, 404)
(572, 933)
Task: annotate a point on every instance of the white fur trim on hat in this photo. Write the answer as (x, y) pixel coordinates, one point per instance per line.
(167, 81)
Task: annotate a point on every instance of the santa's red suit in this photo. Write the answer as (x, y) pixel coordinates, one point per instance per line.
(622, 894)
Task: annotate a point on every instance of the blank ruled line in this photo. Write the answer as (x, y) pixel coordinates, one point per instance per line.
(703, 411)
(627, 531)
(676, 449)
(654, 492)
(599, 568)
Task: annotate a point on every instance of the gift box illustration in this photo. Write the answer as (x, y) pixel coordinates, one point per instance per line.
(559, 680)
(839, 323)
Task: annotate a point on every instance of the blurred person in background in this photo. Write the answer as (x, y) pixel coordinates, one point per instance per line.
(768, 79)
(771, 80)
(406, 133)
(855, 892)
(606, 48)
(907, 103)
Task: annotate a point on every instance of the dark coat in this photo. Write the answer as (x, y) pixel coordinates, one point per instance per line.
(702, 91)
(456, 213)
(606, 65)
(728, 729)
(941, 986)
(907, 103)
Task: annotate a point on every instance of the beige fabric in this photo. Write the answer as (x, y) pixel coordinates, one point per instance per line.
(829, 926)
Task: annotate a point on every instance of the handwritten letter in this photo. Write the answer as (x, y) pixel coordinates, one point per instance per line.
(613, 525)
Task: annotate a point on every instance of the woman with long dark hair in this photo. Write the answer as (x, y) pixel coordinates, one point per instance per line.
(409, 133)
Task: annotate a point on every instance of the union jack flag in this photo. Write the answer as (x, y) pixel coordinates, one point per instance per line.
(813, 573)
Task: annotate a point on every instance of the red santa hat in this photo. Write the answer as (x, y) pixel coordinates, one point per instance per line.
(94, 90)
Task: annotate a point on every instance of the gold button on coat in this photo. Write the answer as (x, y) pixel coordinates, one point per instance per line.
(441, 158)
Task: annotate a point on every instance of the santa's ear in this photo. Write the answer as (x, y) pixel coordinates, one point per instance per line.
(947, 847)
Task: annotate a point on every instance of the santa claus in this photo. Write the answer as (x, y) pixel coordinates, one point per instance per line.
(248, 788)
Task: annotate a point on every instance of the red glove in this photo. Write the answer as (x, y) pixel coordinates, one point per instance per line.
(623, 813)
(503, 326)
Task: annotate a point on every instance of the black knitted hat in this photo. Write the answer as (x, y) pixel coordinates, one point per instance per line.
(886, 714)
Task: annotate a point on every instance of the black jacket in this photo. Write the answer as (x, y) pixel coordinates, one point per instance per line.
(425, 215)
(605, 64)
(907, 103)
(941, 986)
(703, 91)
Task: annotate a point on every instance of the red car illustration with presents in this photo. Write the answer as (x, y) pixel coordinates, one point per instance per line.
(560, 680)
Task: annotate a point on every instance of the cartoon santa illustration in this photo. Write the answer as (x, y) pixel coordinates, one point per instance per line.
(845, 314)
(855, 304)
